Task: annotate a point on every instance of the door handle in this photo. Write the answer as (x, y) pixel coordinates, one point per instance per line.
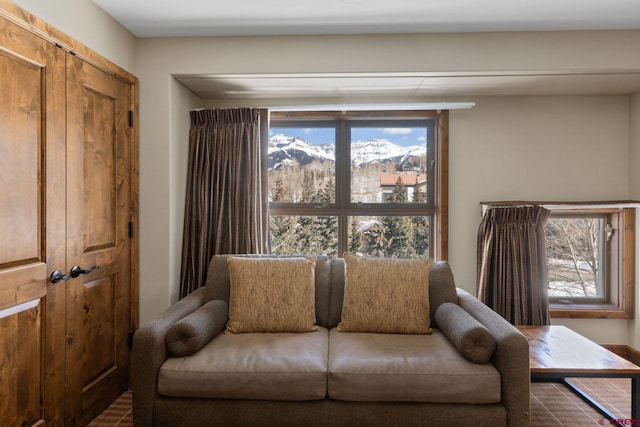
(76, 271)
(58, 275)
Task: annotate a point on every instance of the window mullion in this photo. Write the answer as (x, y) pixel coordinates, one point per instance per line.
(343, 175)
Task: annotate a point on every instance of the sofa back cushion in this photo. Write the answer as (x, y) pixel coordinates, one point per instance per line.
(336, 295)
(330, 286)
(442, 287)
(218, 282)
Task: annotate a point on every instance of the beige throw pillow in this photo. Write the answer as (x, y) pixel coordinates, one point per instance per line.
(271, 295)
(386, 295)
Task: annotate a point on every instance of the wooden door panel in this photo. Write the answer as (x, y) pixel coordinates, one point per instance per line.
(98, 210)
(20, 364)
(98, 368)
(21, 164)
(99, 328)
(99, 216)
(102, 367)
(21, 284)
(32, 198)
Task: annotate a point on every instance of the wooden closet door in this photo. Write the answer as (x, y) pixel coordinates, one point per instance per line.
(32, 227)
(98, 243)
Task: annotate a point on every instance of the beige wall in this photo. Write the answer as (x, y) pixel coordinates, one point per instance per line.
(634, 147)
(183, 101)
(634, 194)
(473, 52)
(535, 148)
(163, 164)
(87, 23)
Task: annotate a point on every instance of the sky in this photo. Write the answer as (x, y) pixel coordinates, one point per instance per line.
(401, 136)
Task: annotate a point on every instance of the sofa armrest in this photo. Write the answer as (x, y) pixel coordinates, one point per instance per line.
(511, 359)
(150, 352)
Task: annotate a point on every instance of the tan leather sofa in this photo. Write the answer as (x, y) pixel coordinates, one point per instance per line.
(327, 377)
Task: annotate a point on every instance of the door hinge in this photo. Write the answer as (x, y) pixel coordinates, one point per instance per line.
(130, 228)
(130, 340)
(130, 118)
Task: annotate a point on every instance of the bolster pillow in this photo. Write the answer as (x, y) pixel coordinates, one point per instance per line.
(468, 336)
(190, 334)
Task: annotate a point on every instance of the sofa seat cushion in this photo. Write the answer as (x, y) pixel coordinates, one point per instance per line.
(267, 366)
(400, 367)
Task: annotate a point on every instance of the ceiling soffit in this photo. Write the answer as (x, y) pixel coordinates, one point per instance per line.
(273, 86)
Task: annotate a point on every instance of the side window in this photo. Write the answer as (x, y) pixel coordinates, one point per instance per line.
(590, 262)
(577, 261)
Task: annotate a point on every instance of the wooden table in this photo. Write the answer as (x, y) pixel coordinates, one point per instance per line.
(557, 353)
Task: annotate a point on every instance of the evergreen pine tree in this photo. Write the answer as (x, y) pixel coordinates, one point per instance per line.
(278, 193)
(420, 238)
(375, 238)
(398, 233)
(280, 226)
(399, 192)
(398, 230)
(419, 196)
(305, 239)
(308, 190)
(355, 237)
(421, 231)
(325, 228)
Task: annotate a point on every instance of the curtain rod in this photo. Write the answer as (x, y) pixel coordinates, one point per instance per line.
(617, 204)
(439, 106)
(379, 107)
(509, 204)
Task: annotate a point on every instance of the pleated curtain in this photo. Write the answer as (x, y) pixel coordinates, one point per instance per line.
(226, 196)
(512, 263)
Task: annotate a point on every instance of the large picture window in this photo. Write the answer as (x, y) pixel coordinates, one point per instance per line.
(370, 182)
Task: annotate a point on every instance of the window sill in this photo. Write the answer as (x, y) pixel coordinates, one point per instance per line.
(591, 311)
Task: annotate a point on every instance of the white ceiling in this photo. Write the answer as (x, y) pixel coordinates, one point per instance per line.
(171, 18)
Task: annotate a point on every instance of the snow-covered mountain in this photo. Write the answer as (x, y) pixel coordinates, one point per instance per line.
(285, 149)
(381, 151)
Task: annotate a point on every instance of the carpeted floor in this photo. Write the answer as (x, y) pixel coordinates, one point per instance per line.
(555, 405)
(551, 404)
(117, 415)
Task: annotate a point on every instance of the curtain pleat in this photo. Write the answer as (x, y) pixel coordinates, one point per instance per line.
(512, 264)
(225, 206)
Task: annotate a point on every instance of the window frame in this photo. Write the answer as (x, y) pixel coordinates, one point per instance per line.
(344, 208)
(619, 269)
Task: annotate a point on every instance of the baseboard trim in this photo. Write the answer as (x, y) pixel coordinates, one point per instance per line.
(629, 353)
